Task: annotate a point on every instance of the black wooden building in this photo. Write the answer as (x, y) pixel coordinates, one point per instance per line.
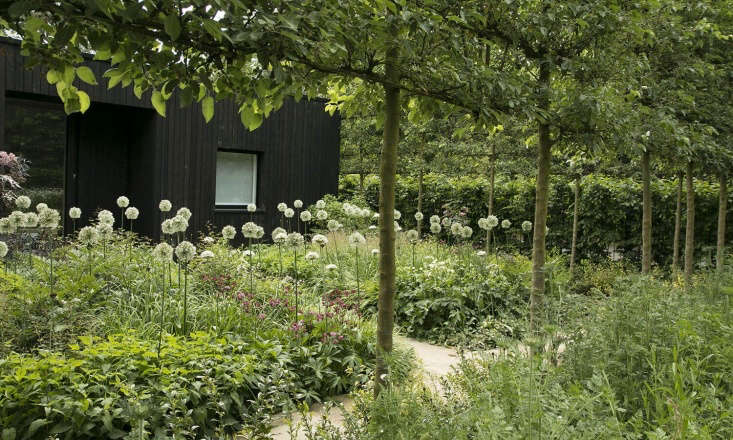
(121, 146)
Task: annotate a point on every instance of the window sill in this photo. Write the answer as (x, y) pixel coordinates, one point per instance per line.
(236, 210)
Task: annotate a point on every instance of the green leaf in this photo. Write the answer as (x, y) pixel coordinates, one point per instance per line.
(207, 107)
(172, 26)
(249, 118)
(8, 434)
(35, 425)
(52, 76)
(158, 102)
(85, 74)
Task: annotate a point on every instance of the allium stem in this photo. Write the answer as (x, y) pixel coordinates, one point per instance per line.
(295, 264)
(185, 297)
(356, 257)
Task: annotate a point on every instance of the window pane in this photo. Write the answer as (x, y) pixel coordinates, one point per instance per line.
(235, 178)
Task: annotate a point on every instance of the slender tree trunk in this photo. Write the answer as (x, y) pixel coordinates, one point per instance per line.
(646, 218)
(690, 228)
(492, 179)
(419, 200)
(677, 222)
(573, 245)
(722, 207)
(540, 208)
(387, 171)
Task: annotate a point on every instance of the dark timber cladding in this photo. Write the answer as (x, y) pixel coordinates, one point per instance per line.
(121, 146)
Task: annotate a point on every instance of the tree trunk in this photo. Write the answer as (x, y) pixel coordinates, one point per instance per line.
(540, 207)
(419, 201)
(387, 172)
(646, 218)
(690, 228)
(722, 207)
(492, 179)
(677, 222)
(573, 245)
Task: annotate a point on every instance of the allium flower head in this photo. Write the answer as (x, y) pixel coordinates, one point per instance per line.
(397, 227)
(208, 240)
(282, 207)
(483, 223)
(3, 249)
(123, 202)
(249, 230)
(320, 240)
(260, 232)
(41, 207)
(456, 229)
(372, 227)
(163, 252)
(435, 228)
(434, 219)
(321, 215)
(355, 239)
(185, 213)
(206, 254)
(105, 216)
(277, 231)
(481, 253)
(179, 223)
(331, 267)
(397, 215)
(185, 251)
(493, 221)
(298, 203)
(446, 222)
(6, 227)
(30, 220)
(75, 213)
(165, 205)
(375, 252)
(419, 216)
(49, 219)
(279, 237)
(17, 219)
(311, 256)
(295, 239)
(228, 232)
(412, 236)
(333, 225)
(375, 216)
(23, 202)
(306, 216)
(167, 227)
(321, 204)
(132, 213)
(506, 224)
(547, 230)
(289, 213)
(251, 207)
(88, 235)
(467, 232)
(105, 230)
(526, 226)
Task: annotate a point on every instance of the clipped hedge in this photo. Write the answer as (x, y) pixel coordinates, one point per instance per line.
(610, 209)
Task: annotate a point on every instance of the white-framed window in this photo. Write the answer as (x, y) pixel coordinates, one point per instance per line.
(236, 178)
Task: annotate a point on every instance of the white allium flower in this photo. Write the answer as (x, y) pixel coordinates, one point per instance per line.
(165, 205)
(320, 239)
(3, 249)
(446, 222)
(333, 225)
(331, 267)
(228, 232)
(251, 207)
(105, 230)
(493, 221)
(526, 226)
(506, 224)
(419, 216)
(132, 213)
(435, 228)
(483, 223)
(375, 216)
(163, 252)
(467, 232)
(372, 227)
(282, 207)
(30, 220)
(295, 239)
(208, 240)
(311, 256)
(247, 253)
(321, 204)
(356, 239)
(260, 232)
(306, 216)
(123, 202)
(75, 213)
(397, 214)
(249, 230)
(167, 227)
(547, 230)
(434, 219)
(17, 219)
(277, 231)
(412, 235)
(23, 202)
(41, 207)
(6, 227)
(289, 213)
(88, 235)
(375, 251)
(321, 215)
(105, 216)
(481, 253)
(180, 223)
(206, 254)
(456, 228)
(185, 251)
(397, 227)
(298, 203)
(279, 237)
(185, 213)
(49, 219)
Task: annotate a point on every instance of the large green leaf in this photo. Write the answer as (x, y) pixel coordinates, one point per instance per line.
(158, 102)
(85, 74)
(207, 108)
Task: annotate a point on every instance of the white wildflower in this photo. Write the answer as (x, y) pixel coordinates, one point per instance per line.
(259, 233)
(397, 214)
(289, 213)
(435, 228)
(88, 235)
(163, 252)
(185, 251)
(23, 202)
(397, 227)
(228, 232)
(75, 213)
(280, 237)
(446, 222)
(320, 239)
(123, 202)
(526, 226)
(320, 204)
(105, 216)
(333, 225)
(356, 239)
(167, 227)
(251, 207)
(180, 223)
(17, 219)
(278, 231)
(165, 205)
(321, 215)
(30, 220)
(306, 216)
(467, 232)
(412, 236)
(208, 240)
(434, 219)
(295, 239)
(41, 207)
(372, 227)
(282, 207)
(132, 213)
(249, 230)
(185, 213)
(419, 216)
(311, 256)
(206, 254)
(506, 224)
(50, 219)
(105, 230)
(331, 267)
(481, 253)
(493, 221)
(6, 227)
(456, 228)
(298, 204)
(3, 249)
(483, 223)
